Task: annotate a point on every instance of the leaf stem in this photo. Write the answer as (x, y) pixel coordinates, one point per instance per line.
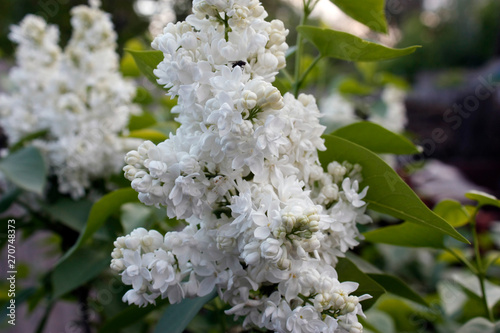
(481, 274)
(220, 313)
(41, 324)
(308, 7)
(463, 260)
(287, 74)
(304, 75)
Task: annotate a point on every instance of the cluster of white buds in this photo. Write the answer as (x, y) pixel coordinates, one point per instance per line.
(75, 97)
(265, 223)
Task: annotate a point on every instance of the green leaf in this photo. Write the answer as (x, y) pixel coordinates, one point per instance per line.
(26, 168)
(135, 215)
(8, 199)
(141, 121)
(397, 287)
(362, 264)
(453, 212)
(73, 214)
(480, 325)
(369, 12)
(147, 61)
(148, 134)
(389, 282)
(376, 138)
(129, 316)
(143, 96)
(377, 322)
(407, 234)
(406, 317)
(85, 264)
(388, 193)
(177, 316)
(348, 271)
(341, 45)
(166, 127)
(100, 212)
(483, 199)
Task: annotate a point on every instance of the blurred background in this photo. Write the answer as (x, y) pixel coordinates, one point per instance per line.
(448, 101)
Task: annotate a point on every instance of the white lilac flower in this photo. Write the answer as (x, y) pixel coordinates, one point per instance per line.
(265, 222)
(305, 320)
(76, 95)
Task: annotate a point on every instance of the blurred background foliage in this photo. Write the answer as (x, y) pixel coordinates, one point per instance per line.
(459, 33)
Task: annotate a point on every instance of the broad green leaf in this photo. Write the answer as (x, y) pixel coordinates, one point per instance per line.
(362, 264)
(405, 315)
(407, 234)
(129, 316)
(378, 322)
(141, 121)
(148, 134)
(135, 215)
(387, 193)
(147, 61)
(348, 271)
(84, 264)
(103, 208)
(30, 137)
(128, 67)
(389, 282)
(480, 325)
(483, 199)
(166, 127)
(177, 316)
(26, 168)
(369, 12)
(282, 84)
(341, 45)
(397, 287)
(143, 96)
(376, 138)
(100, 212)
(453, 212)
(8, 198)
(73, 214)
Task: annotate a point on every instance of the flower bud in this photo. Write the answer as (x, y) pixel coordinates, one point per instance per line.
(133, 158)
(130, 172)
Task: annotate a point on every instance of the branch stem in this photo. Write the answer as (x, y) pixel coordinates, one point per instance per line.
(481, 273)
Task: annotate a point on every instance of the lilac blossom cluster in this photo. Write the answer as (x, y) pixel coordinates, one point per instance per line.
(74, 100)
(265, 224)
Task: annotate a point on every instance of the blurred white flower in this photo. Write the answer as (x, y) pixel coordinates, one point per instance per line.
(76, 96)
